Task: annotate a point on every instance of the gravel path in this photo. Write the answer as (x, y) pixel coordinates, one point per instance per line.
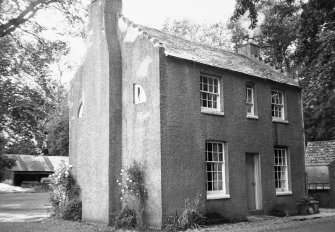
(52, 225)
(277, 224)
(24, 207)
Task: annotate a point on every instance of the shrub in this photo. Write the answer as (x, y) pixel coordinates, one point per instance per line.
(8, 181)
(64, 194)
(191, 216)
(126, 219)
(72, 211)
(42, 188)
(132, 187)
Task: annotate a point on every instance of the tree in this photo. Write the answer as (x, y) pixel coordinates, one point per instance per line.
(58, 132)
(250, 6)
(276, 33)
(5, 162)
(301, 39)
(14, 14)
(316, 55)
(29, 91)
(216, 34)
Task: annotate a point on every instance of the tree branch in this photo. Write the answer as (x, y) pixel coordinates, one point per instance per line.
(12, 24)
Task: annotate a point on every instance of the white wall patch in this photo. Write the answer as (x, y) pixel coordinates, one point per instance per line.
(143, 69)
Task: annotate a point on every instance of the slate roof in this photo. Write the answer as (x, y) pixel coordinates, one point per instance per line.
(25, 163)
(320, 153)
(200, 53)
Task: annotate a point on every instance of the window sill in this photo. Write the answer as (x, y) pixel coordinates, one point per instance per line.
(252, 117)
(211, 111)
(284, 193)
(217, 196)
(279, 120)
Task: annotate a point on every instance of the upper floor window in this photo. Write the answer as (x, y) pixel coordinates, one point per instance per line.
(216, 169)
(210, 92)
(277, 104)
(250, 102)
(281, 170)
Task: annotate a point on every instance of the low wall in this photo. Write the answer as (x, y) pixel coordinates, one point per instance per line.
(331, 167)
(321, 195)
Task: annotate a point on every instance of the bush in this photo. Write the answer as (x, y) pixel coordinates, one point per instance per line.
(132, 187)
(191, 216)
(42, 188)
(64, 195)
(8, 181)
(73, 210)
(126, 219)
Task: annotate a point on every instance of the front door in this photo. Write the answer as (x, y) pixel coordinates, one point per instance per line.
(253, 182)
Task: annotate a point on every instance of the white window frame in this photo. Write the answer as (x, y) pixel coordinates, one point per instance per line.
(205, 90)
(216, 166)
(252, 102)
(281, 171)
(277, 105)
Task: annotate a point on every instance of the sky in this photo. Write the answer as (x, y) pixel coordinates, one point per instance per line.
(152, 13)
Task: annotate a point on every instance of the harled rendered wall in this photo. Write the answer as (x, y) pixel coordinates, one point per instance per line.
(184, 131)
(93, 150)
(141, 121)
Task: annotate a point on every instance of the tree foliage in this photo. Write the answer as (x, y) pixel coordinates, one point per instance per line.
(16, 14)
(29, 90)
(251, 7)
(216, 34)
(58, 132)
(5, 162)
(276, 34)
(316, 55)
(300, 38)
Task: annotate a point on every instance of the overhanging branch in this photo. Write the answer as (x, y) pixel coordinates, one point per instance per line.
(24, 16)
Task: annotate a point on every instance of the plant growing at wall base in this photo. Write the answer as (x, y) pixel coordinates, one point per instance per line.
(132, 187)
(126, 219)
(73, 210)
(191, 216)
(64, 195)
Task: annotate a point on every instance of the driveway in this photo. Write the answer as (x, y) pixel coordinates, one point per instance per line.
(24, 207)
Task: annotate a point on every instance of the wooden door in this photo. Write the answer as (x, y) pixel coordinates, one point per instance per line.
(251, 182)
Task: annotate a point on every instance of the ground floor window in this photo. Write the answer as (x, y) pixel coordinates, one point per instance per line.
(281, 170)
(216, 170)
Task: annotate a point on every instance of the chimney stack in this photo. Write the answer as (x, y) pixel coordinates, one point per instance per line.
(250, 49)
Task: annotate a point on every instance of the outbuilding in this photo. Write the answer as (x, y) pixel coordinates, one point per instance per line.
(32, 168)
(319, 155)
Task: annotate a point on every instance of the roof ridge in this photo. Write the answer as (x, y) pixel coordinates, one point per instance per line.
(264, 67)
(255, 59)
(322, 141)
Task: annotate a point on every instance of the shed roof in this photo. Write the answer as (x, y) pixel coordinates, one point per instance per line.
(31, 163)
(204, 54)
(320, 153)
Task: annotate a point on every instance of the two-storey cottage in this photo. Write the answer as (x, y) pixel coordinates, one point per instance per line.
(203, 120)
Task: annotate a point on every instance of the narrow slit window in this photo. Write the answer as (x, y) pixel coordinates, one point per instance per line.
(250, 102)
